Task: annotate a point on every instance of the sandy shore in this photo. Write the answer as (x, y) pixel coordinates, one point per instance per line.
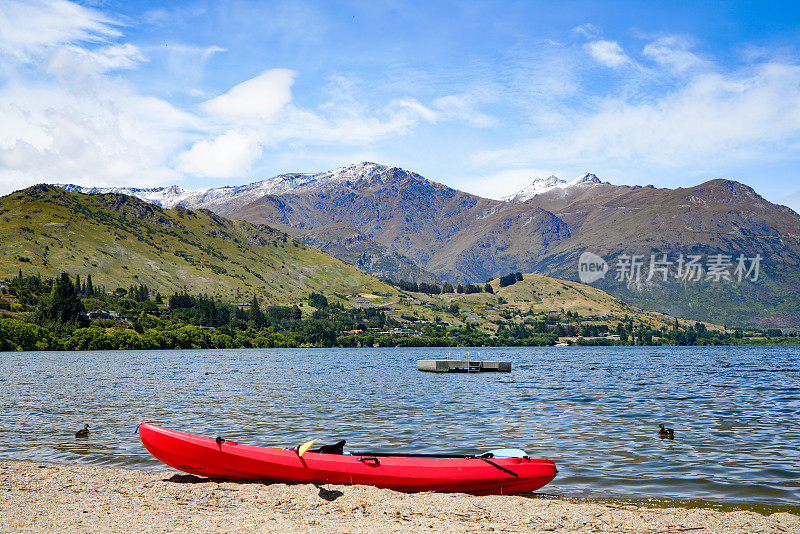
(38, 497)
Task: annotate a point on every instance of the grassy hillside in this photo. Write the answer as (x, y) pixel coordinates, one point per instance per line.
(535, 294)
(123, 241)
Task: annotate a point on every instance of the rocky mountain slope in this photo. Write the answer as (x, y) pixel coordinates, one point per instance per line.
(453, 234)
(716, 217)
(351, 246)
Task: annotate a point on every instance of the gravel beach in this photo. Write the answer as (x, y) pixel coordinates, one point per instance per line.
(41, 497)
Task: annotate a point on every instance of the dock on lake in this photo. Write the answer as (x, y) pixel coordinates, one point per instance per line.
(463, 366)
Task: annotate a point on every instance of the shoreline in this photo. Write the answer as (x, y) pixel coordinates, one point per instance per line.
(46, 497)
(791, 342)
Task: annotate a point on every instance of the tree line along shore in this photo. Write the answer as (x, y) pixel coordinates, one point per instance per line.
(66, 313)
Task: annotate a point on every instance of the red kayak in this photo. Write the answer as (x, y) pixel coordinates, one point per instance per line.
(218, 458)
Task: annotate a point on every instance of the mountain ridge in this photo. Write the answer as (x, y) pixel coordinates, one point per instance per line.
(463, 237)
(236, 196)
(211, 198)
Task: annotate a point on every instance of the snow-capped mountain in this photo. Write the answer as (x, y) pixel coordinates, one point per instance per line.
(166, 197)
(234, 197)
(551, 183)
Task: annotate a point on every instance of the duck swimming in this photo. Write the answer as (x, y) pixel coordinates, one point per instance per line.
(665, 432)
(83, 432)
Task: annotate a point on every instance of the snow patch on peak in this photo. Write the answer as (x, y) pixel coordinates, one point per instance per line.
(536, 187)
(551, 183)
(585, 178)
(167, 197)
(235, 197)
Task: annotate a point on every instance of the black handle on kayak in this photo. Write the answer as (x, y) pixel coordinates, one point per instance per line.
(500, 467)
(370, 459)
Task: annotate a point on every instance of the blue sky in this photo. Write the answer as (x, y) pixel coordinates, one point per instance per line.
(482, 96)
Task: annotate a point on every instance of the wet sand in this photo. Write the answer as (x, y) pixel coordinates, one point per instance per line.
(40, 497)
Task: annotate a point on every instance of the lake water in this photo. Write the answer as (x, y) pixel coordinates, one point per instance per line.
(595, 410)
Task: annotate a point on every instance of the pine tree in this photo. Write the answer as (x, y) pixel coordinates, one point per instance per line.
(89, 287)
(296, 313)
(256, 316)
(63, 305)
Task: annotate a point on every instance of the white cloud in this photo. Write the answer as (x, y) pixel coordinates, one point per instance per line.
(463, 107)
(423, 111)
(609, 53)
(588, 30)
(672, 52)
(258, 114)
(713, 119)
(261, 97)
(74, 61)
(226, 156)
(185, 67)
(103, 133)
(29, 28)
(344, 124)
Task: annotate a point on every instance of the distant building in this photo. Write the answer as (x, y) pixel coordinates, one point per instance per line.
(398, 332)
(353, 332)
(111, 315)
(103, 315)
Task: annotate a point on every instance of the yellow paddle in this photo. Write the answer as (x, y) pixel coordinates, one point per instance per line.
(301, 450)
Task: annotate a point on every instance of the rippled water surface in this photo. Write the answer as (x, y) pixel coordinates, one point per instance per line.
(595, 410)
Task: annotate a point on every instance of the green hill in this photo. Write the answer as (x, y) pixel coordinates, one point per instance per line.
(124, 241)
(535, 294)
